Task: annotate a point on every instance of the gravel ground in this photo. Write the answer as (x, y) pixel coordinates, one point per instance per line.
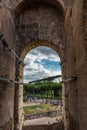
(43, 120)
(30, 104)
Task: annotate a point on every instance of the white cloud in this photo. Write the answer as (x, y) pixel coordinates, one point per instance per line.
(34, 70)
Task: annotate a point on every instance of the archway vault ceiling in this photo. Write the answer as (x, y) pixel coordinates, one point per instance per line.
(22, 5)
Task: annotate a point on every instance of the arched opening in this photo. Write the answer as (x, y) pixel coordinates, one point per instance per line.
(28, 48)
(42, 63)
(40, 25)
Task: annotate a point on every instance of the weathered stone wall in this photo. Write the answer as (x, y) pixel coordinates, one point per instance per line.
(42, 25)
(7, 70)
(85, 26)
(6, 3)
(75, 91)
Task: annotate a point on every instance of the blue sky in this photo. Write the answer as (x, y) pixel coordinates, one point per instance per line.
(41, 62)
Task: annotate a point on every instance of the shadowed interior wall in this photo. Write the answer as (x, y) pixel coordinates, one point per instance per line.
(75, 59)
(7, 70)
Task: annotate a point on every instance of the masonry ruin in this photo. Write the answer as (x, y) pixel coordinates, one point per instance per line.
(58, 24)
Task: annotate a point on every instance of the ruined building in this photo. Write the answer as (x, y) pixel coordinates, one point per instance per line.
(59, 24)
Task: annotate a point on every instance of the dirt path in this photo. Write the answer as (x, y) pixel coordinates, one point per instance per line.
(43, 120)
(30, 104)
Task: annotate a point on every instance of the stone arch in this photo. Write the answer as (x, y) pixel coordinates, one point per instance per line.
(39, 25)
(18, 5)
(19, 69)
(33, 45)
(37, 43)
(77, 110)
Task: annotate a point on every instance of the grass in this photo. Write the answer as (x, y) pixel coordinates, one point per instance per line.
(38, 108)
